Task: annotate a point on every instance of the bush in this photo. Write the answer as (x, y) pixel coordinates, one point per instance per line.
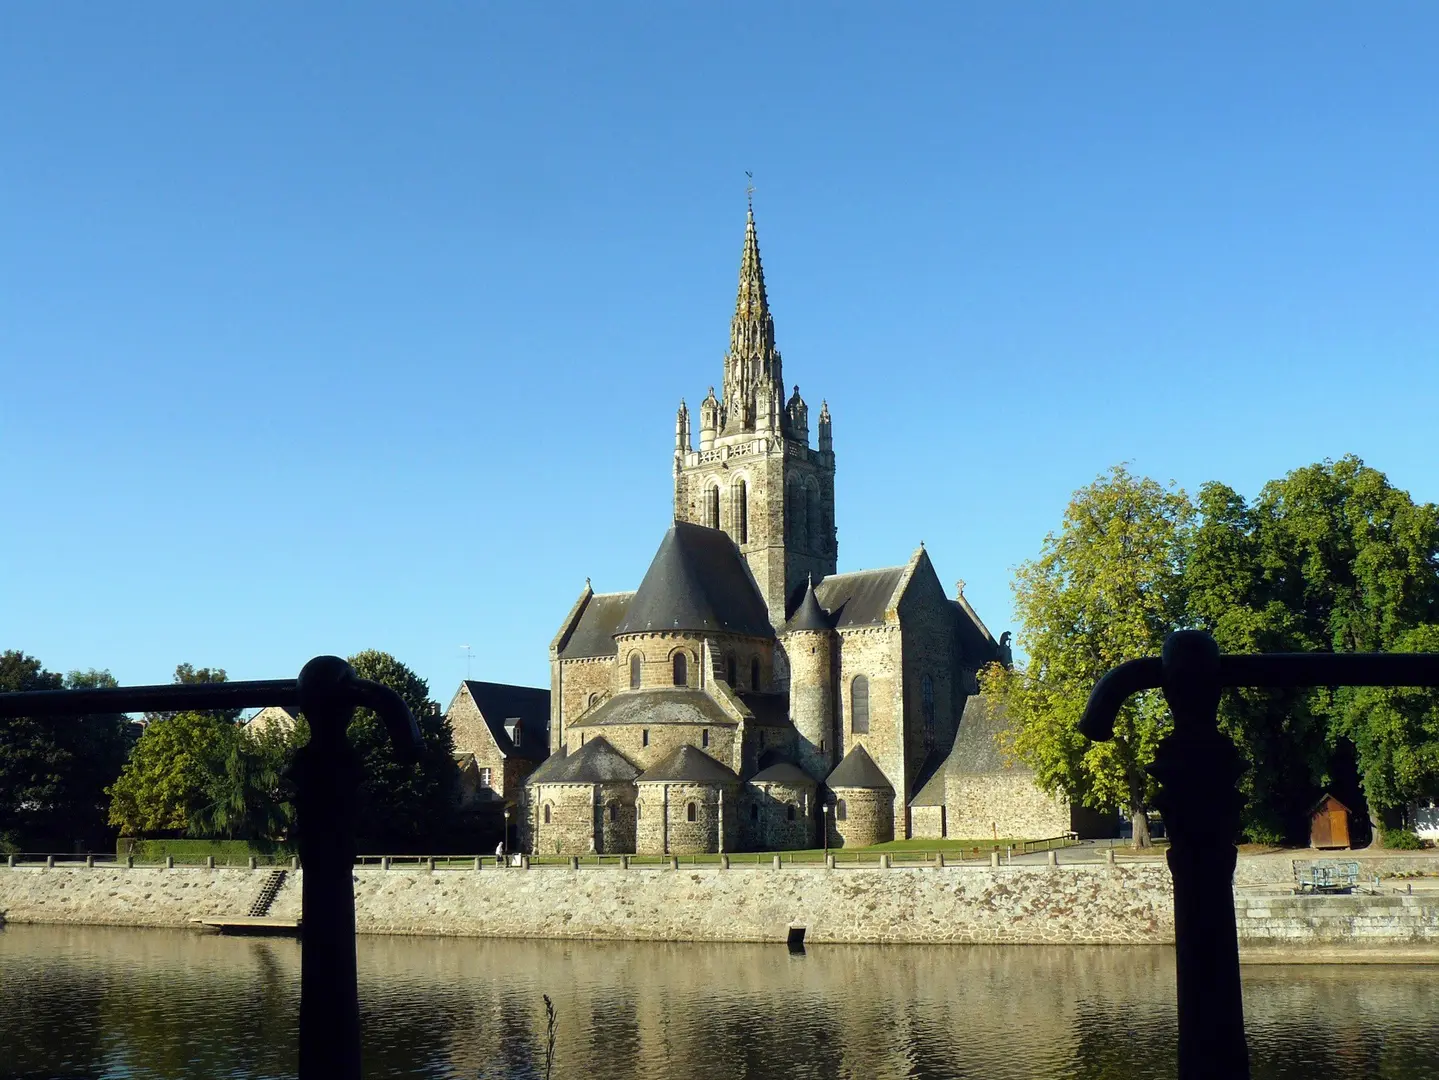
(196, 851)
(1402, 840)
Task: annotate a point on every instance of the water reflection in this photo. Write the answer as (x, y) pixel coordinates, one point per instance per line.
(167, 1004)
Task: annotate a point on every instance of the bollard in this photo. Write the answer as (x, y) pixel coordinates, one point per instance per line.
(574, 862)
(209, 862)
(829, 862)
(430, 864)
(884, 860)
(674, 862)
(994, 860)
(624, 862)
(1053, 859)
(524, 862)
(294, 862)
(89, 862)
(10, 861)
(777, 862)
(49, 862)
(478, 864)
(129, 862)
(169, 862)
(252, 862)
(724, 862)
(1109, 856)
(384, 862)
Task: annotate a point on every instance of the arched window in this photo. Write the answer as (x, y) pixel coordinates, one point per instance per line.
(754, 811)
(841, 812)
(859, 705)
(635, 663)
(614, 813)
(926, 687)
(796, 516)
(547, 813)
(812, 515)
(754, 674)
(682, 669)
(593, 700)
(789, 811)
(638, 807)
(731, 669)
(741, 512)
(712, 507)
(691, 812)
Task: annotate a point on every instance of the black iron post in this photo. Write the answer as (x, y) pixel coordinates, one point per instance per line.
(326, 777)
(1198, 770)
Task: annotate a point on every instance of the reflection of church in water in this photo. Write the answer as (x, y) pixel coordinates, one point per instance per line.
(746, 682)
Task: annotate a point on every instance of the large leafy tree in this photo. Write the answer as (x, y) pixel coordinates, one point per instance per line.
(53, 771)
(402, 805)
(171, 772)
(1106, 588)
(1330, 557)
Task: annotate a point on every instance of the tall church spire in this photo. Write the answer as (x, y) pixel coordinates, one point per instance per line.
(753, 381)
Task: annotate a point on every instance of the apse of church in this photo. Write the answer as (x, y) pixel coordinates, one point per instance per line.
(755, 474)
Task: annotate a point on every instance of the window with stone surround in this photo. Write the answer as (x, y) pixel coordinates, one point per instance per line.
(704, 737)
(485, 775)
(754, 673)
(547, 813)
(927, 695)
(644, 736)
(741, 512)
(614, 812)
(691, 812)
(594, 700)
(812, 516)
(841, 812)
(682, 669)
(635, 663)
(712, 507)
(859, 705)
(731, 670)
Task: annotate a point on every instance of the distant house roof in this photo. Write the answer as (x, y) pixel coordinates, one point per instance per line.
(698, 580)
(858, 599)
(662, 705)
(784, 772)
(687, 764)
(505, 708)
(858, 770)
(594, 635)
(596, 762)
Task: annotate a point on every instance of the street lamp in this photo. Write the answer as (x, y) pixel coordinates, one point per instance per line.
(506, 842)
(824, 823)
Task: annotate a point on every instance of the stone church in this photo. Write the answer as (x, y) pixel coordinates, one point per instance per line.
(747, 695)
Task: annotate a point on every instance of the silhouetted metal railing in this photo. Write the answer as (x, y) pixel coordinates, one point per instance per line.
(1198, 770)
(326, 778)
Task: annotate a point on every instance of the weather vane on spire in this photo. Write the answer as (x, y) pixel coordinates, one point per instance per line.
(749, 188)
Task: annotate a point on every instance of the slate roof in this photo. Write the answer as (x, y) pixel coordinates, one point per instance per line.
(858, 599)
(679, 705)
(975, 749)
(929, 781)
(596, 762)
(697, 581)
(809, 615)
(858, 770)
(594, 634)
(688, 764)
(976, 644)
(502, 703)
(784, 772)
(772, 710)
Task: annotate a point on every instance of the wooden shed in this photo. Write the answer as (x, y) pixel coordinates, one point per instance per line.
(1329, 824)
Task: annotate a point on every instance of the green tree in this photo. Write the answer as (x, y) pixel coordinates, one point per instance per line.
(189, 675)
(403, 805)
(53, 770)
(171, 773)
(245, 796)
(1107, 587)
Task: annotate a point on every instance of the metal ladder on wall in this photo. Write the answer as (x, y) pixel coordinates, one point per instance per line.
(273, 883)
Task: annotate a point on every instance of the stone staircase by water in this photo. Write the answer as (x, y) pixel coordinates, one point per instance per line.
(273, 883)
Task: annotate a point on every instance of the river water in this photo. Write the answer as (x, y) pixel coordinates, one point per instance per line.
(99, 1002)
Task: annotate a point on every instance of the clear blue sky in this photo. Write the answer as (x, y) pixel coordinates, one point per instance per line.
(326, 327)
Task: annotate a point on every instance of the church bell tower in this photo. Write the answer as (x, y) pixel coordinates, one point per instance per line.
(755, 474)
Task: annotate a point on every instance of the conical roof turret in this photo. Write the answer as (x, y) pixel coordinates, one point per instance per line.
(809, 615)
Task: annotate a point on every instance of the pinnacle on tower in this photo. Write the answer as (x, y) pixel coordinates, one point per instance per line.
(752, 378)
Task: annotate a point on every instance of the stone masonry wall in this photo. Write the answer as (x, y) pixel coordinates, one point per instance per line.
(930, 648)
(578, 679)
(983, 805)
(765, 823)
(868, 818)
(571, 827)
(874, 652)
(629, 740)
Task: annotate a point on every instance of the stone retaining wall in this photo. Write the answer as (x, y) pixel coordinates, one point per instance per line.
(1079, 904)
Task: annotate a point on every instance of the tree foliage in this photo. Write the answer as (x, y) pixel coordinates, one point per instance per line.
(1106, 588)
(54, 770)
(170, 772)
